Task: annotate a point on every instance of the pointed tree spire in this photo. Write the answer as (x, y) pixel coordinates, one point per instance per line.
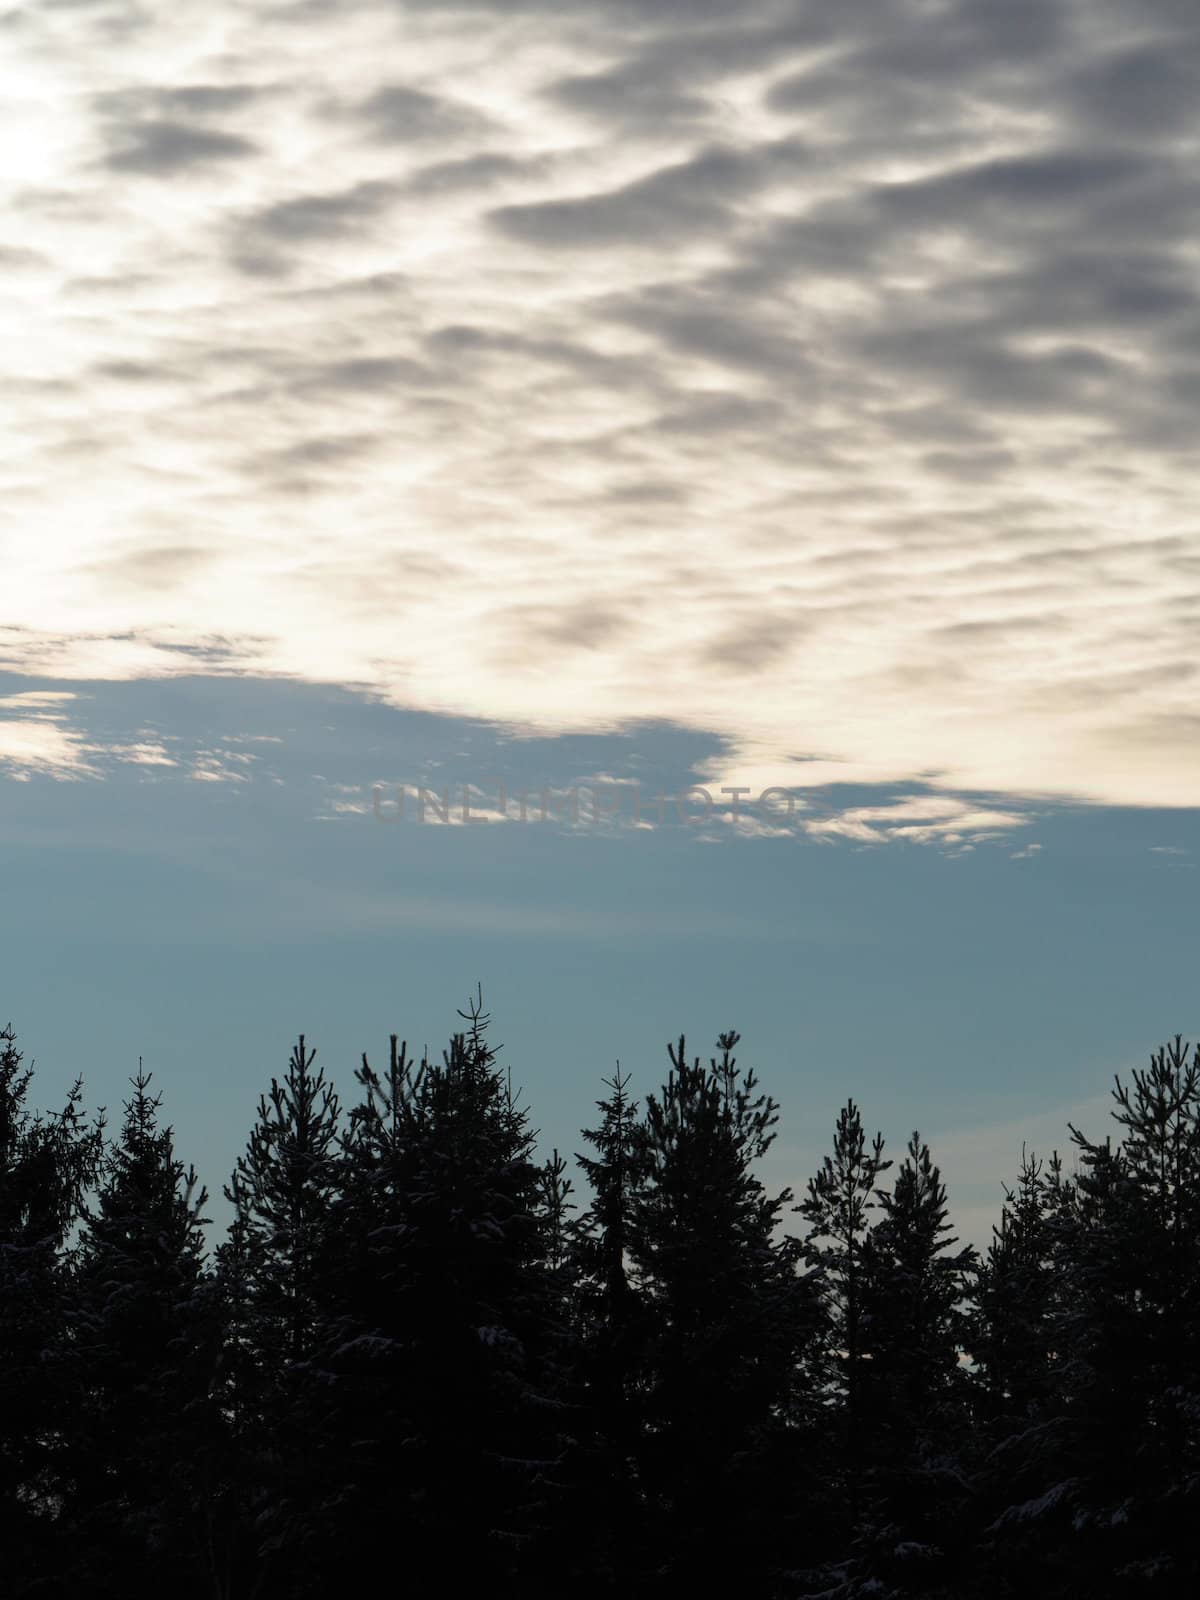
(142, 1344)
(838, 1209)
(283, 1186)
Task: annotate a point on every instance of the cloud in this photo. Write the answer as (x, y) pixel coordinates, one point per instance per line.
(164, 149)
(49, 703)
(36, 739)
(1144, 91)
(404, 114)
(947, 821)
(146, 753)
(675, 202)
(645, 92)
(822, 379)
(37, 748)
(190, 99)
(482, 172)
(160, 568)
(322, 216)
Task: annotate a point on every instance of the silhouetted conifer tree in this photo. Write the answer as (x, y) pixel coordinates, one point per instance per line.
(914, 1391)
(556, 1202)
(729, 1316)
(242, 1453)
(285, 1183)
(283, 1188)
(1014, 1342)
(613, 1332)
(142, 1349)
(1103, 1476)
(1012, 1339)
(837, 1209)
(1130, 1328)
(46, 1165)
(602, 1245)
(441, 1358)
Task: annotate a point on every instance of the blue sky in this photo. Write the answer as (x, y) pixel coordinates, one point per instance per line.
(983, 995)
(789, 393)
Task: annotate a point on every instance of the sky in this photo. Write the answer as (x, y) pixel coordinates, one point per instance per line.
(607, 398)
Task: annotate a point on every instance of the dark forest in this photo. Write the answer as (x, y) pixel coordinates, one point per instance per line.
(424, 1359)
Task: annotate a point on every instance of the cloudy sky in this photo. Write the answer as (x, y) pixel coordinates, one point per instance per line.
(661, 393)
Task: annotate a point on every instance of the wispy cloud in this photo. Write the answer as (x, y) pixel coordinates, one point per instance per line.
(29, 748)
(48, 733)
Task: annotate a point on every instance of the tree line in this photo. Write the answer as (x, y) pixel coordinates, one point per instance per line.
(420, 1357)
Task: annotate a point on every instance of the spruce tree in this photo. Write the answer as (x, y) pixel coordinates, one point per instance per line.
(913, 1389)
(613, 1340)
(439, 1357)
(1101, 1477)
(838, 1209)
(1130, 1323)
(603, 1235)
(241, 1452)
(609, 1303)
(556, 1202)
(283, 1190)
(142, 1348)
(46, 1165)
(284, 1185)
(729, 1318)
(1017, 1373)
(1018, 1296)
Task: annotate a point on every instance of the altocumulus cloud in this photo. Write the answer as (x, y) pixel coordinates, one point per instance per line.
(820, 376)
